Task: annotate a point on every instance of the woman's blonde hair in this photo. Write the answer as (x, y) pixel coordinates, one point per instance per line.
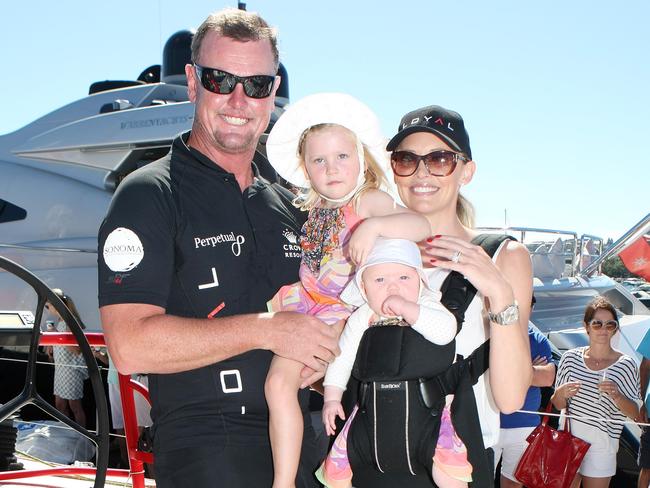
(374, 175)
(70, 304)
(465, 211)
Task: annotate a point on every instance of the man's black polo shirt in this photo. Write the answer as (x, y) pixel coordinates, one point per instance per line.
(180, 234)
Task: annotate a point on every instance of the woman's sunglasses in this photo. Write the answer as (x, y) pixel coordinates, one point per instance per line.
(610, 325)
(438, 163)
(223, 83)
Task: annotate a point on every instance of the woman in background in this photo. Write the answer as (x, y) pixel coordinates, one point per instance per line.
(70, 370)
(597, 382)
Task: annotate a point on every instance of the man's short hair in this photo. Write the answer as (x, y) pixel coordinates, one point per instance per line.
(239, 25)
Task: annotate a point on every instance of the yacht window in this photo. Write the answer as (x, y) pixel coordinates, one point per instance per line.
(10, 212)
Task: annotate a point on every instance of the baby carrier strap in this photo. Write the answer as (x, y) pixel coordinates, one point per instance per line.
(434, 390)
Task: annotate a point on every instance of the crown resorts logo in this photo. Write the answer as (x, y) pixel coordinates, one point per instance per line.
(291, 250)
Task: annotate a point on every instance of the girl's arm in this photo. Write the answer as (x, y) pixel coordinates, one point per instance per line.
(383, 217)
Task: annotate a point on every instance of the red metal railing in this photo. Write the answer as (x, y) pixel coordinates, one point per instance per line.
(128, 386)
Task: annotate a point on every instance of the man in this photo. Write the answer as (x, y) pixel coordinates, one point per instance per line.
(516, 427)
(644, 443)
(191, 249)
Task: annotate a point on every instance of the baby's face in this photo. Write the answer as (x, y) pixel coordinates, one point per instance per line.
(383, 280)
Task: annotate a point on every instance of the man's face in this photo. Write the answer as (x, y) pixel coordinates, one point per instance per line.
(383, 280)
(231, 123)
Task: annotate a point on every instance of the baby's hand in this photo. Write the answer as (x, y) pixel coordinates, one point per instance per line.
(361, 242)
(393, 306)
(331, 409)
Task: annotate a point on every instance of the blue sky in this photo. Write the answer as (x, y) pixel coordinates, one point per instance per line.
(554, 94)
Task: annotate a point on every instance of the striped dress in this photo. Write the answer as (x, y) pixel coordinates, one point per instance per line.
(588, 402)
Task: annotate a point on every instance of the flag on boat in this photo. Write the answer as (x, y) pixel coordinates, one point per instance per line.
(636, 257)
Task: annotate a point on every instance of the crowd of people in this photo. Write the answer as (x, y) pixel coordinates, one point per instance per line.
(238, 293)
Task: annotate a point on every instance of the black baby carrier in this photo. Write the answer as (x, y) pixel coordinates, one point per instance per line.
(402, 382)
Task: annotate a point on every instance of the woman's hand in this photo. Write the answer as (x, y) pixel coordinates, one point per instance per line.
(332, 409)
(568, 389)
(470, 260)
(610, 388)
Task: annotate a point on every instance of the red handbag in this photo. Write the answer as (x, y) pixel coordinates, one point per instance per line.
(552, 457)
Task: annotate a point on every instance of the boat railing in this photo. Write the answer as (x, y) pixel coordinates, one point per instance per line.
(554, 253)
(128, 387)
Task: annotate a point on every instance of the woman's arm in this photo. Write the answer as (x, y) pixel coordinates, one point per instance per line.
(628, 407)
(627, 396)
(564, 389)
(510, 362)
(563, 393)
(510, 279)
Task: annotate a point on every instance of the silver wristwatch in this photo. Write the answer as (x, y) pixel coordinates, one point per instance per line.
(509, 316)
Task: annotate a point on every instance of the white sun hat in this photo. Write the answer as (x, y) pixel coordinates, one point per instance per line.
(398, 251)
(321, 108)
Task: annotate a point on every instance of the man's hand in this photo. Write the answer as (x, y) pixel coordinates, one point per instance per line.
(305, 339)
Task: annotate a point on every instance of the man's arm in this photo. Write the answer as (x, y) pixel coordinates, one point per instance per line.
(142, 338)
(543, 372)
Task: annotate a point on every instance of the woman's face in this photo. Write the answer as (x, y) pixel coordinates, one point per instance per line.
(425, 193)
(602, 335)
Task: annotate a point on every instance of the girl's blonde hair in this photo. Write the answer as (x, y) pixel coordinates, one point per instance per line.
(374, 175)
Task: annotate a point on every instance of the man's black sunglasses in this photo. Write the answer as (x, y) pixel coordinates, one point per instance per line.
(223, 83)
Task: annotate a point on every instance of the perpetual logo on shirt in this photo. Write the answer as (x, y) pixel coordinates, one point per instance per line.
(235, 241)
(123, 250)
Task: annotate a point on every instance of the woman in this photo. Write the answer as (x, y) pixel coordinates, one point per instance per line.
(598, 382)
(431, 160)
(69, 367)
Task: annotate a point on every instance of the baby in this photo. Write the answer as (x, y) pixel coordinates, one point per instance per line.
(390, 285)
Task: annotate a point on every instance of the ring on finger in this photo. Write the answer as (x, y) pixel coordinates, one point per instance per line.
(455, 258)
